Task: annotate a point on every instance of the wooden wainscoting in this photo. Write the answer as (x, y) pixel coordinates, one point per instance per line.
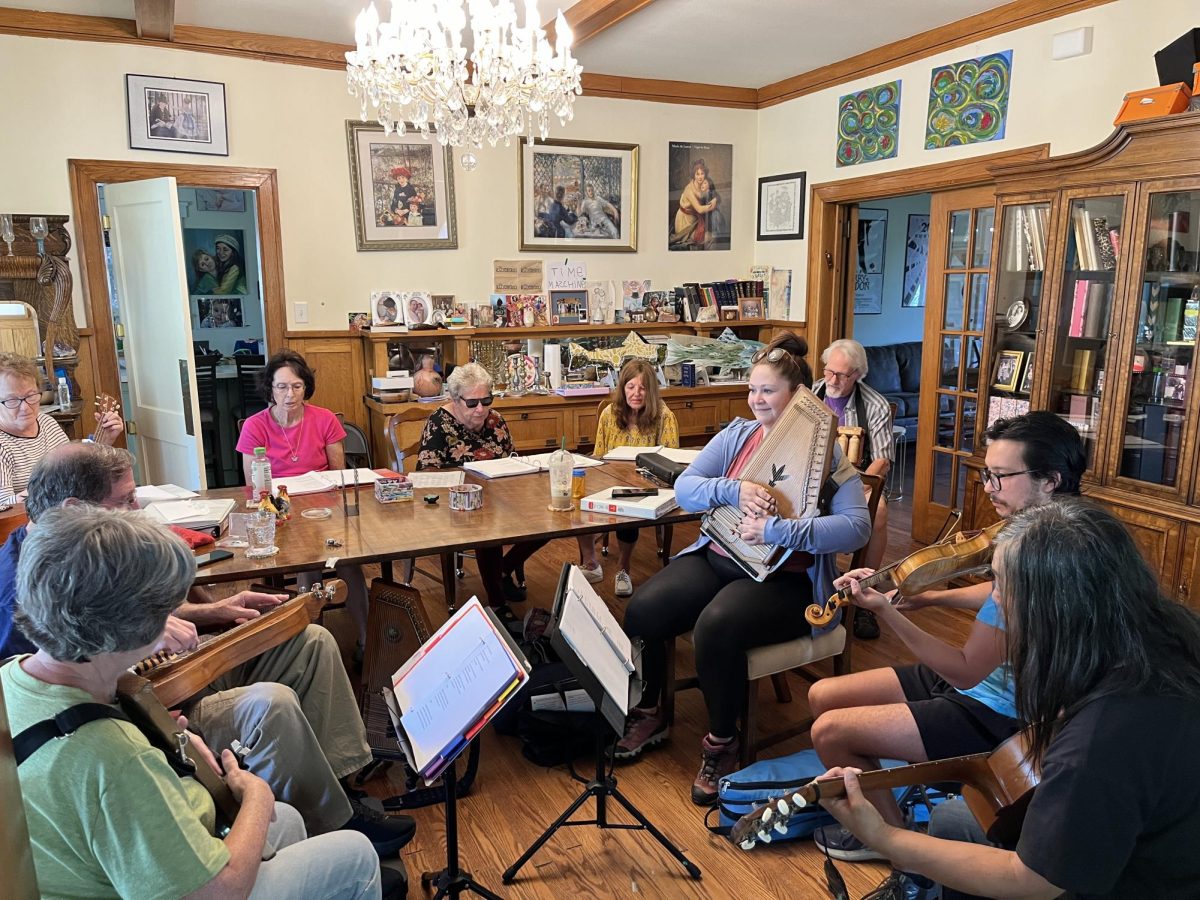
(337, 358)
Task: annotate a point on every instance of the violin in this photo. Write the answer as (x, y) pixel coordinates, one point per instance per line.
(175, 677)
(997, 787)
(965, 553)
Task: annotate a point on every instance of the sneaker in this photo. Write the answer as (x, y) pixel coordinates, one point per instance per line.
(593, 574)
(387, 833)
(624, 584)
(512, 591)
(903, 886)
(840, 843)
(643, 730)
(866, 627)
(718, 760)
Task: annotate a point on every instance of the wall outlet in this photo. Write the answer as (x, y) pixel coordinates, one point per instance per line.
(301, 311)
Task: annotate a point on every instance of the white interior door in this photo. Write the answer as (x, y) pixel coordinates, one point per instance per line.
(148, 264)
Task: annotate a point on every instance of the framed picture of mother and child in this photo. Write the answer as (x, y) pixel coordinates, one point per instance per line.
(578, 195)
(403, 189)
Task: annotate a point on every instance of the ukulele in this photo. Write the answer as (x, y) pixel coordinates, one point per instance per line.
(175, 677)
(965, 553)
(997, 787)
(104, 405)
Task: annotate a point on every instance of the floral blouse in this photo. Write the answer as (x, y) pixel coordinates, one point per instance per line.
(447, 444)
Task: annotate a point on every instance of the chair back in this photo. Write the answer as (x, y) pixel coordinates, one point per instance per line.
(404, 456)
(250, 400)
(15, 851)
(355, 445)
(206, 383)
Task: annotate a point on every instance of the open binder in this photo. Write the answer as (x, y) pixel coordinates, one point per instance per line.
(452, 687)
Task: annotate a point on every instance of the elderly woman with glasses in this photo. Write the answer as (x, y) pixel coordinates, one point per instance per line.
(108, 815)
(26, 433)
(465, 430)
(705, 591)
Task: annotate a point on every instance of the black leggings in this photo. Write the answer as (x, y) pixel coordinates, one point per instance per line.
(728, 613)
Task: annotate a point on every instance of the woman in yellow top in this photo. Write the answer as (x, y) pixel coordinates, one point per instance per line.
(636, 417)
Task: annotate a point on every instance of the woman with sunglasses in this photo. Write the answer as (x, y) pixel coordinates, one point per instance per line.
(705, 591)
(26, 433)
(465, 430)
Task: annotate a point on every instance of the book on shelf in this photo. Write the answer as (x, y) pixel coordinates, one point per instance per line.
(1083, 366)
(1106, 254)
(1099, 301)
(635, 507)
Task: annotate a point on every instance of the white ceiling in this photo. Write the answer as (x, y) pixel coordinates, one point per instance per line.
(741, 43)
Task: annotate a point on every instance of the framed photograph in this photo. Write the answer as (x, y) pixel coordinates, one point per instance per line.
(403, 190)
(219, 312)
(216, 260)
(750, 308)
(220, 200)
(578, 195)
(1008, 369)
(386, 308)
(916, 260)
(176, 114)
(781, 207)
(700, 195)
(1027, 378)
(568, 307)
(418, 307)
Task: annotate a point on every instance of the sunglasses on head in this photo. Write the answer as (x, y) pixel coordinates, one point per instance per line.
(772, 355)
(475, 401)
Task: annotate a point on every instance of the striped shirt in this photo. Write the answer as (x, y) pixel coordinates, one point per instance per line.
(19, 455)
(879, 420)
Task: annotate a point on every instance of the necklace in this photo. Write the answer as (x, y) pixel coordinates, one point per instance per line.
(293, 448)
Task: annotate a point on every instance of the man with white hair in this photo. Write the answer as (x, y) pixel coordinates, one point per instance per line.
(858, 404)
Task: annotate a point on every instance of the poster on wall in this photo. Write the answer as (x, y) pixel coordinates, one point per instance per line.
(219, 312)
(868, 275)
(968, 101)
(700, 195)
(215, 260)
(916, 260)
(869, 125)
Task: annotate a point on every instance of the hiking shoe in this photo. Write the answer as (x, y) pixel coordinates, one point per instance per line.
(840, 843)
(624, 584)
(718, 760)
(387, 833)
(643, 730)
(593, 573)
(903, 886)
(866, 627)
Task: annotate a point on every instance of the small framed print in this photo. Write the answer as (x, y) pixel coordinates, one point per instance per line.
(750, 308)
(1008, 370)
(729, 313)
(568, 307)
(781, 207)
(176, 114)
(1027, 378)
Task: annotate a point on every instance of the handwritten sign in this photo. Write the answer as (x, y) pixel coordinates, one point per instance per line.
(566, 276)
(517, 276)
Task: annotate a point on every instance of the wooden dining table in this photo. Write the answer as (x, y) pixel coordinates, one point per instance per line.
(516, 508)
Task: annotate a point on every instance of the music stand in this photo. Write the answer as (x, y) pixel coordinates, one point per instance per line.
(609, 719)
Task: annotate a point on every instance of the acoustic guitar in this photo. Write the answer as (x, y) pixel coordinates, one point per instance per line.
(997, 787)
(965, 553)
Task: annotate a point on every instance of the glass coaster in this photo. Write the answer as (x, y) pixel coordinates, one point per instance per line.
(317, 512)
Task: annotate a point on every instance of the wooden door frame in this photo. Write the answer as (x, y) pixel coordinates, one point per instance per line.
(87, 174)
(827, 256)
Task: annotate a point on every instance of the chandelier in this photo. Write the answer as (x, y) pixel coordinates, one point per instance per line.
(414, 69)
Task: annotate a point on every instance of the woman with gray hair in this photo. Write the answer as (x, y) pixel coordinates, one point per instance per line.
(468, 429)
(108, 816)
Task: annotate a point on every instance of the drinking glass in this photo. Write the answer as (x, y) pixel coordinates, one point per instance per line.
(6, 231)
(260, 532)
(38, 229)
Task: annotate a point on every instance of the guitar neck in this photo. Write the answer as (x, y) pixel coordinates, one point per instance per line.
(967, 769)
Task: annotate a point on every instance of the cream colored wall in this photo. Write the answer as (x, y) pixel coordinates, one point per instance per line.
(1069, 104)
(292, 119)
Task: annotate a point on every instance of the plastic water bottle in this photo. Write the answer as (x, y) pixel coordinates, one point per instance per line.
(63, 394)
(260, 472)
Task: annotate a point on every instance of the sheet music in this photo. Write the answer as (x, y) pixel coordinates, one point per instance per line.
(501, 467)
(150, 493)
(597, 639)
(629, 454)
(422, 481)
(542, 461)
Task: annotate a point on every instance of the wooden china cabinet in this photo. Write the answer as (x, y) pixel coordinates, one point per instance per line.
(1094, 314)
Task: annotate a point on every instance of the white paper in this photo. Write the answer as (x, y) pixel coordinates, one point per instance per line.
(191, 513)
(685, 455)
(629, 454)
(597, 639)
(577, 701)
(150, 493)
(423, 481)
(542, 461)
(502, 467)
(315, 482)
(570, 275)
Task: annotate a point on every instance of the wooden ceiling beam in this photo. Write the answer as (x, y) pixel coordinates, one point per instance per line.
(155, 19)
(588, 18)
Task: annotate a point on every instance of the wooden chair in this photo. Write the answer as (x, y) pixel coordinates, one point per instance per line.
(250, 400)
(210, 419)
(775, 660)
(19, 875)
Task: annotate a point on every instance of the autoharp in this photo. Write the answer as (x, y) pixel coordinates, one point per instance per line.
(792, 463)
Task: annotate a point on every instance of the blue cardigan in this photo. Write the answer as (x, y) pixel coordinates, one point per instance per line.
(847, 527)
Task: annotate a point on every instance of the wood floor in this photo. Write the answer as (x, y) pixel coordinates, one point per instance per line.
(513, 800)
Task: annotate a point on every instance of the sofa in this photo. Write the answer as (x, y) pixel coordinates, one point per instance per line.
(895, 371)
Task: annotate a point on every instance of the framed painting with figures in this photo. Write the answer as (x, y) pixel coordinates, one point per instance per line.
(403, 190)
(176, 114)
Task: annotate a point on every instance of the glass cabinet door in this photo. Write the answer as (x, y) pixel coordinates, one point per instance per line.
(1161, 365)
(1085, 310)
(1019, 281)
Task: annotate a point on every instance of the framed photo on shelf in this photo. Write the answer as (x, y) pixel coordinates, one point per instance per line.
(1027, 378)
(781, 207)
(568, 307)
(402, 186)
(418, 307)
(750, 308)
(1008, 369)
(176, 114)
(578, 196)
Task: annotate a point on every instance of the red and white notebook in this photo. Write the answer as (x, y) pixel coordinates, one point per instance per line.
(635, 507)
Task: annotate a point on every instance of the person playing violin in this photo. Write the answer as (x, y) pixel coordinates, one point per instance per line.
(1106, 671)
(954, 700)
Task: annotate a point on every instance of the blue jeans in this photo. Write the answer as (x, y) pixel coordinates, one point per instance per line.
(952, 821)
(340, 865)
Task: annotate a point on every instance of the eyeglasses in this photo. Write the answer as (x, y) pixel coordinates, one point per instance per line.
(831, 374)
(475, 401)
(995, 480)
(288, 388)
(15, 402)
(772, 355)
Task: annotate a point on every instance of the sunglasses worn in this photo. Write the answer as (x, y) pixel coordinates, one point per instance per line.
(475, 401)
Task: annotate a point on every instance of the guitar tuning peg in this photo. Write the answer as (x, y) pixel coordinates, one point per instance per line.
(748, 844)
(767, 814)
(765, 837)
(782, 806)
(781, 827)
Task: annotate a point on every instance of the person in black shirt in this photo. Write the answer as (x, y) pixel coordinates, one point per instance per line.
(1107, 674)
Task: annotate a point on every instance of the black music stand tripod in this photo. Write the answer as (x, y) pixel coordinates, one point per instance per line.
(603, 785)
(453, 881)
